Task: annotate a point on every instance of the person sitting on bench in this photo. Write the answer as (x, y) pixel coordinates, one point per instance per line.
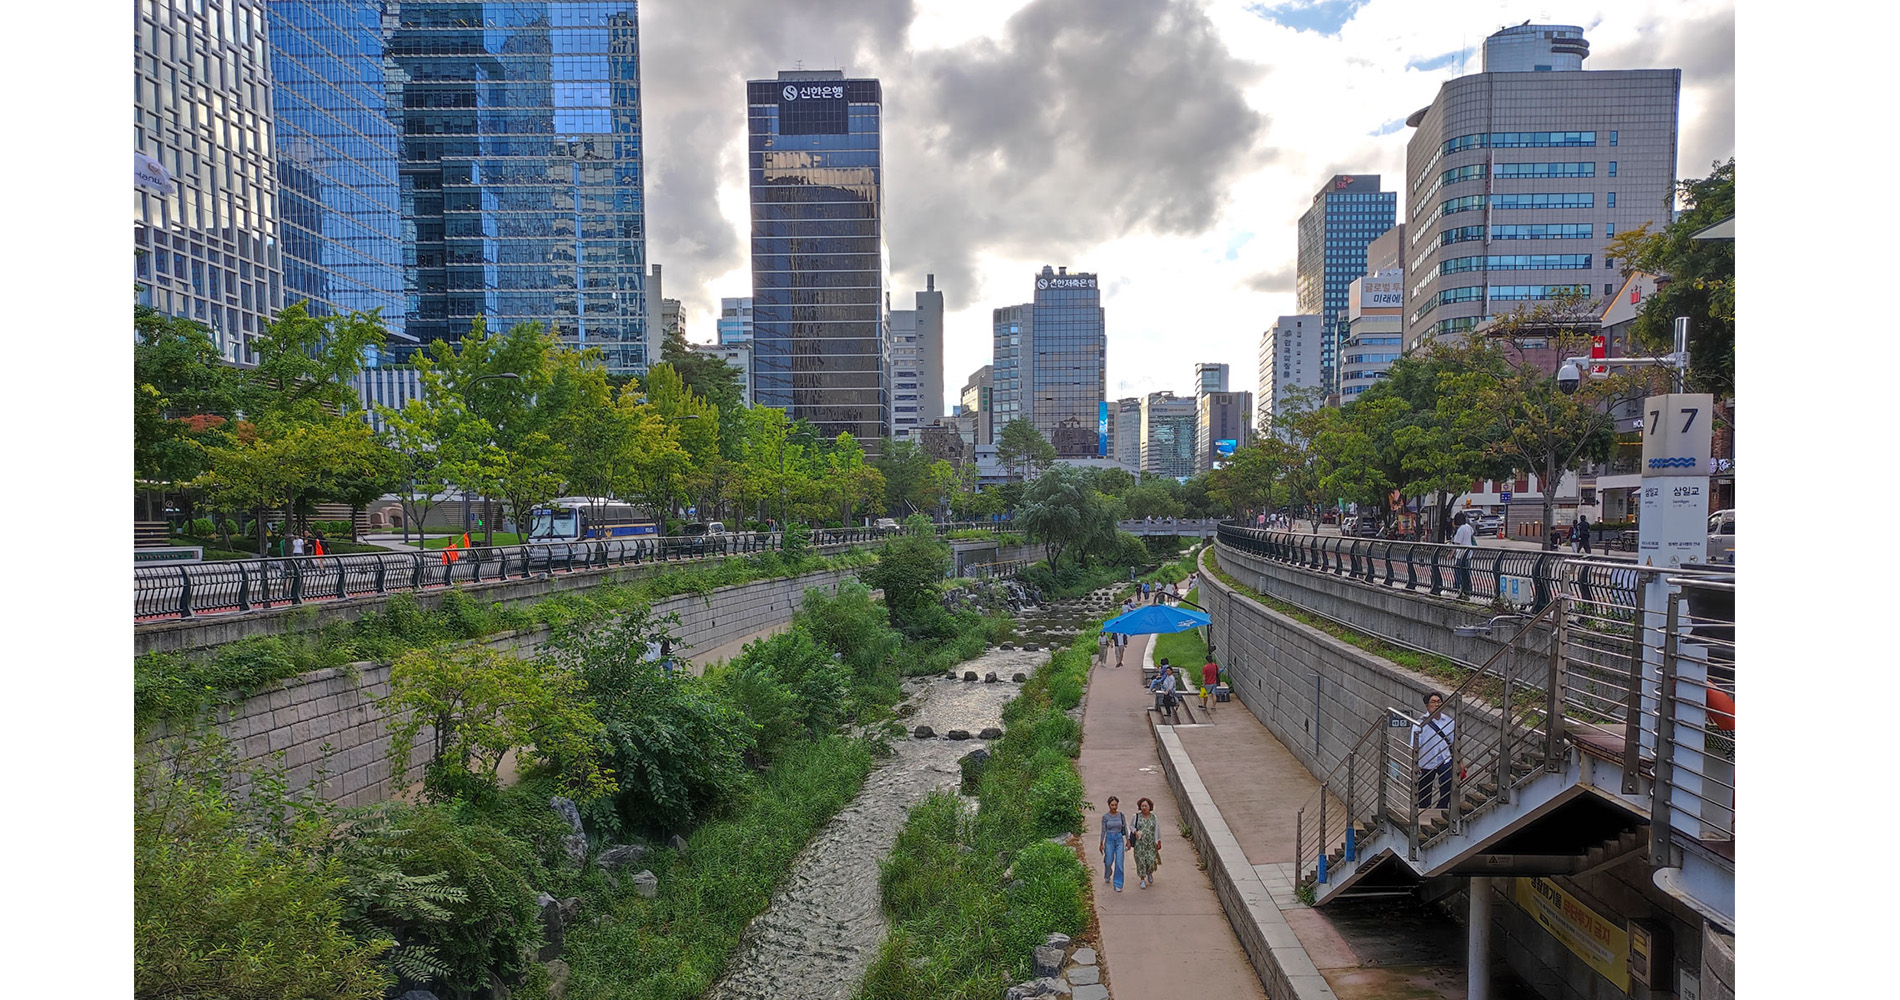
(1164, 687)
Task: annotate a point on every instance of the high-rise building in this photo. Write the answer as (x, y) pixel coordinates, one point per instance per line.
(1209, 377)
(1387, 251)
(1223, 424)
(1289, 360)
(735, 321)
(905, 395)
(1127, 420)
(336, 159)
(1374, 331)
(1014, 347)
(522, 180)
(930, 349)
(1517, 176)
(1346, 214)
(205, 201)
(815, 170)
(1068, 371)
(1167, 435)
(672, 319)
(977, 401)
(738, 355)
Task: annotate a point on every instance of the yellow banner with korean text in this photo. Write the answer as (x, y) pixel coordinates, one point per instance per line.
(1603, 944)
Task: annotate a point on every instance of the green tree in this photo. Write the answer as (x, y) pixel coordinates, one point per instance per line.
(306, 365)
(1699, 281)
(1022, 450)
(910, 569)
(1062, 513)
(184, 401)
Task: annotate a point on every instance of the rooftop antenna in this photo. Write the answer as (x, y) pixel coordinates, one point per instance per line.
(798, 64)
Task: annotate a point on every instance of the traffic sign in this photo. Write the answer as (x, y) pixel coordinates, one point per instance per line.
(1504, 497)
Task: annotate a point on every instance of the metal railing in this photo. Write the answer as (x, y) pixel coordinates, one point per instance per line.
(1483, 574)
(239, 585)
(1650, 690)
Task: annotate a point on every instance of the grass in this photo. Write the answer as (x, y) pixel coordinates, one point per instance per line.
(673, 946)
(474, 537)
(970, 896)
(1184, 649)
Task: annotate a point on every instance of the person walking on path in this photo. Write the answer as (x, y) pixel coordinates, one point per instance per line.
(1121, 647)
(1102, 642)
(1580, 535)
(296, 545)
(1210, 679)
(1146, 839)
(1112, 845)
(1432, 737)
(1466, 540)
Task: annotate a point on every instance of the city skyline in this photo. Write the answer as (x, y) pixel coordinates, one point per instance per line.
(984, 190)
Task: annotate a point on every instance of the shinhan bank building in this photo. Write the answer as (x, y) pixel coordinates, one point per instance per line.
(815, 171)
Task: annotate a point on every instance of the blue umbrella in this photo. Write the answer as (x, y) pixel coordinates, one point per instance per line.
(1153, 619)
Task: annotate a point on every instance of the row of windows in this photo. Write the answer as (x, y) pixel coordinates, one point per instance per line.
(1583, 199)
(1517, 140)
(1521, 170)
(1517, 262)
(1545, 231)
(1507, 293)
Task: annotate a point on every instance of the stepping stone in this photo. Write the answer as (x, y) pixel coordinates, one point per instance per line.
(1083, 956)
(1093, 992)
(1085, 975)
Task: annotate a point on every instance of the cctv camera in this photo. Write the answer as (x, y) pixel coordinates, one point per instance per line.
(1568, 377)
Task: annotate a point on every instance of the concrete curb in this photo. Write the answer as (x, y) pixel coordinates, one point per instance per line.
(1278, 958)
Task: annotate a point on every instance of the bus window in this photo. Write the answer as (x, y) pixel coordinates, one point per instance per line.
(552, 525)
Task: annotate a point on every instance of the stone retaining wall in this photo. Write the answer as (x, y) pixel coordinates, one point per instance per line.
(329, 721)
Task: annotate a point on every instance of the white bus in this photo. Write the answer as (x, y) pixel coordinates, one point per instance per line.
(573, 519)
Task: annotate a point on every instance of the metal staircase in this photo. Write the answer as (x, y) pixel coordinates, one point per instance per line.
(1557, 769)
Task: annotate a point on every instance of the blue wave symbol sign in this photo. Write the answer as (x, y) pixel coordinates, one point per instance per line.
(1672, 463)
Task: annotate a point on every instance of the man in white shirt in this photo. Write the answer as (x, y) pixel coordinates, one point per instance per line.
(1164, 686)
(1432, 736)
(1466, 538)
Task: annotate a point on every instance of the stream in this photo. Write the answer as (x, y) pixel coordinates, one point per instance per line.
(824, 925)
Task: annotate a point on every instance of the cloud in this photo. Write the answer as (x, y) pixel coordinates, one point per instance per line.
(1279, 280)
(1435, 63)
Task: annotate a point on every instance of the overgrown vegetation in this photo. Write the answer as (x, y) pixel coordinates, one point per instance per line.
(971, 895)
(176, 688)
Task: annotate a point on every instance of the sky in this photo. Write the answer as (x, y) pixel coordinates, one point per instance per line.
(1170, 147)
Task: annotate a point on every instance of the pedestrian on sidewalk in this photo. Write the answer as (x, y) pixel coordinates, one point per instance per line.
(296, 544)
(1102, 641)
(1146, 839)
(1121, 647)
(1210, 679)
(1432, 737)
(1580, 534)
(1465, 538)
(1112, 845)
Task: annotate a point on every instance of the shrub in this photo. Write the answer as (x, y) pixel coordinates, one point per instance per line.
(788, 686)
(910, 569)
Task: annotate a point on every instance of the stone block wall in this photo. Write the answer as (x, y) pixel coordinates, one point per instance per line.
(328, 722)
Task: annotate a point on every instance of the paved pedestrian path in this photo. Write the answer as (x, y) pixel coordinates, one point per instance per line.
(1172, 940)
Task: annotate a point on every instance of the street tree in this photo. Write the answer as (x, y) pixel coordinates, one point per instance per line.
(1022, 450)
(1695, 278)
(1066, 516)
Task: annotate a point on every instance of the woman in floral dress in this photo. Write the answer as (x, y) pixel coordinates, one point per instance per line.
(1147, 842)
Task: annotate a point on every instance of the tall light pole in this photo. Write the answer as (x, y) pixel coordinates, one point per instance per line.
(512, 376)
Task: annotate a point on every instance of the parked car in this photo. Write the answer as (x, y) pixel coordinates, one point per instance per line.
(1722, 536)
(700, 537)
(1489, 523)
(886, 526)
(1366, 527)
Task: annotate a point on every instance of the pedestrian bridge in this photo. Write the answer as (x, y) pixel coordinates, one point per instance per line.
(1185, 527)
(1599, 728)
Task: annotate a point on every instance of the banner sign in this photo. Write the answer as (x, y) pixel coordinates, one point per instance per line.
(1101, 429)
(1602, 944)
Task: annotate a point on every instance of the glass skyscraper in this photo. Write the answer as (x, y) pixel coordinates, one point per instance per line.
(815, 168)
(1012, 348)
(521, 178)
(336, 159)
(204, 205)
(1348, 212)
(1068, 373)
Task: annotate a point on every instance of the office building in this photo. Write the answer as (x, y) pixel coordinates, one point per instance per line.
(905, 396)
(672, 319)
(1126, 417)
(335, 151)
(1051, 361)
(522, 181)
(1210, 377)
(1374, 331)
(1223, 424)
(815, 172)
(735, 321)
(205, 226)
(977, 403)
(1517, 176)
(1387, 251)
(1167, 435)
(1013, 343)
(1289, 361)
(930, 349)
(737, 355)
(1347, 213)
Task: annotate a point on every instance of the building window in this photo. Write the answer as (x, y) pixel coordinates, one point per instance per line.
(1609, 289)
(1612, 168)
(1612, 137)
(1612, 199)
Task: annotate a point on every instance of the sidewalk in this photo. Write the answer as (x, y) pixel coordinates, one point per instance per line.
(1173, 940)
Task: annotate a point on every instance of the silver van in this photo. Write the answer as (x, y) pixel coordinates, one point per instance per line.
(1722, 537)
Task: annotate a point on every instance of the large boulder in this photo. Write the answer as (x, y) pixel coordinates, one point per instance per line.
(556, 914)
(969, 675)
(558, 973)
(989, 678)
(679, 843)
(1048, 961)
(989, 733)
(646, 884)
(1057, 939)
(620, 856)
(1019, 677)
(1034, 988)
(923, 732)
(575, 843)
(957, 734)
(972, 765)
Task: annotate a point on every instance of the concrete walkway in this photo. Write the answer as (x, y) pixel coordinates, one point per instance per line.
(1172, 940)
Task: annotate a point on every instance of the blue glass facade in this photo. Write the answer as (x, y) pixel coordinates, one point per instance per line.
(815, 170)
(341, 221)
(1348, 213)
(521, 177)
(1068, 371)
